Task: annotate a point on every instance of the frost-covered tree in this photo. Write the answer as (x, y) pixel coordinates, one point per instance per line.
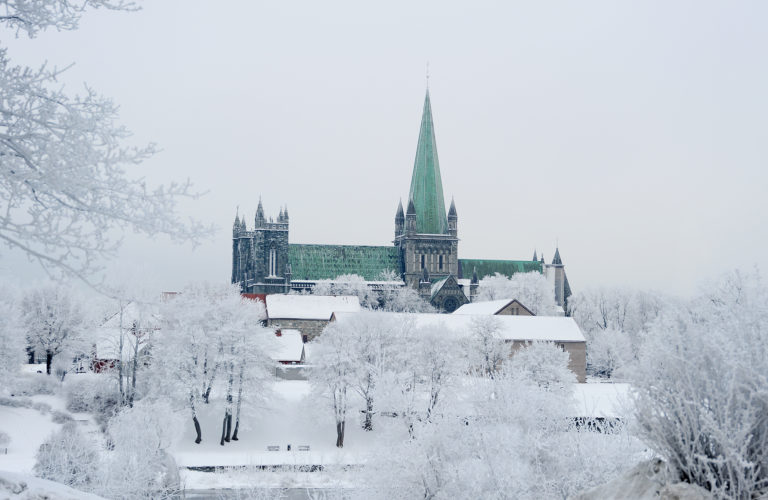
(370, 339)
(702, 388)
(506, 437)
(543, 362)
(530, 289)
(333, 371)
(608, 351)
(54, 320)
(485, 348)
(209, 332)
(11, 336)
(64, 182)
(395, 296)
(613, 321)
(347, 284)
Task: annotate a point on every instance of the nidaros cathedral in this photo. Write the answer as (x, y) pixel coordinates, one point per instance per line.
(425, 254)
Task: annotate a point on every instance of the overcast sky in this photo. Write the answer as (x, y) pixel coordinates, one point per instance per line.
(635, 134)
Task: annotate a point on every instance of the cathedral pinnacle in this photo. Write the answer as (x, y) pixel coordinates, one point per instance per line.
(534, 256)
(452, 210)
(399, 214)
(556, 259)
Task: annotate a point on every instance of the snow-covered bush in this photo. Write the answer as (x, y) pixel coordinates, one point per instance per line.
(5, 440)
(530, 289)
(138, 465)
(702, 388)
(68, 457)
(35, 383)
(608, 351)
(544, 363)
(92, 394)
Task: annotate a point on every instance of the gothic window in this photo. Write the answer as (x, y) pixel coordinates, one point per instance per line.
(422, 261)
(441, 263)
(272, 262)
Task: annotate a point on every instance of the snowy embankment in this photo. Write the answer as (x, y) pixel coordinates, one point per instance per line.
(28, 421)
(646, 481)
(26, 487)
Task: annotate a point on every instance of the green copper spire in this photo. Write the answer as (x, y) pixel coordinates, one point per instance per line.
(426, 185)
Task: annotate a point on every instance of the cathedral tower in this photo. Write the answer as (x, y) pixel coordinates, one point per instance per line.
(428, 240)
(260, 257)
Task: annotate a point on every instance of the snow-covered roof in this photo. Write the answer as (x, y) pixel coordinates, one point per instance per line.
(548, 328)
(602, 400)
(309, 306)
(488, 307)
(286, 347)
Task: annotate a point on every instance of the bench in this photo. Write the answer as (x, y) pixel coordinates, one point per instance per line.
(273, 448)
(303, 447)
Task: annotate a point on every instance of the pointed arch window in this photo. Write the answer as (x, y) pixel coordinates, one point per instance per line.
(272, 262)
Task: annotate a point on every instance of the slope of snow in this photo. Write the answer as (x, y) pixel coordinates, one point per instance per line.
(646, 481)
(27, 487)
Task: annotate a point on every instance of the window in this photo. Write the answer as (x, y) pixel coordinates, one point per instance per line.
(441, 263)
(422, 261)
(272, 262)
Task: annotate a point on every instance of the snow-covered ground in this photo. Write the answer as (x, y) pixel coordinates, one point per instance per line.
(294, 417)
(30, 423)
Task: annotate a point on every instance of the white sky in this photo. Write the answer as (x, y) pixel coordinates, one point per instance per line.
(634, 133)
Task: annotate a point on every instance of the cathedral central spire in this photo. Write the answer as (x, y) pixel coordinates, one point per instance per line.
(426, 184)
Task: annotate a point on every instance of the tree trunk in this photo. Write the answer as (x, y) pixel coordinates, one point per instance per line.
(48, 362)
(239, 402)
(120, 367)
(132, 395)
(368, 424)
(340, 434)
(224, 429)
(194, 418)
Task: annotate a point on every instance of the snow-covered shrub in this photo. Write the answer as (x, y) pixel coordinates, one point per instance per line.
(608, 351)
(702, 388)
(138, 465)
(68, 457)
(544, 363)
(5, 440)
(92, 394)
(35, 383)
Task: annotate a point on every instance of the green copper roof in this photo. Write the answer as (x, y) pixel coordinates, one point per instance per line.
(490, 267)
(317, 262)
(426, 184)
